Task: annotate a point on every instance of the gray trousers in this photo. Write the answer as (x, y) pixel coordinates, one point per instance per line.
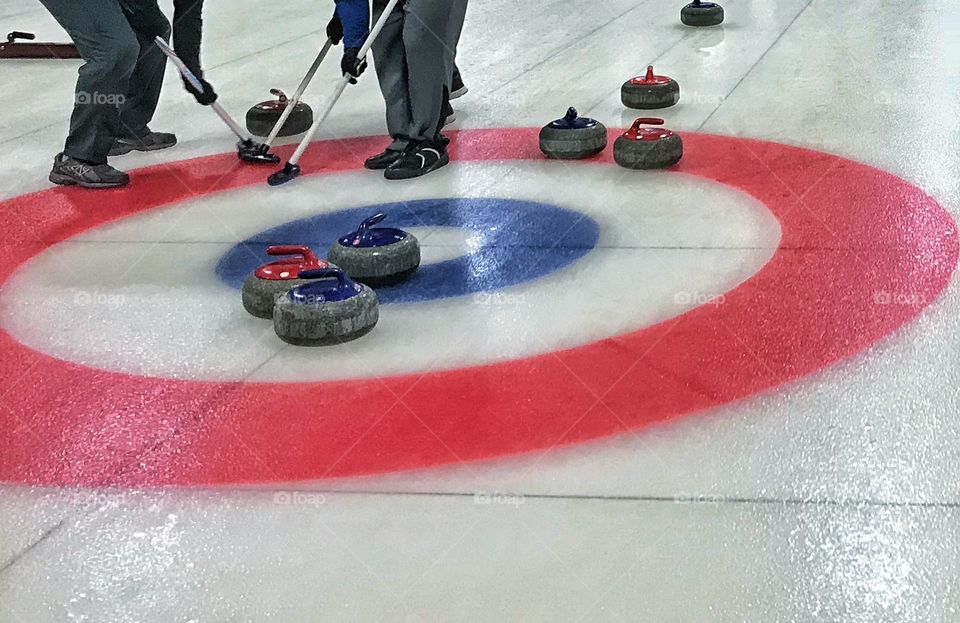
(414, 56)
(120, 80)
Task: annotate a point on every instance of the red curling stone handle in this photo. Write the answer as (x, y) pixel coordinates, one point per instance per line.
(292, 249)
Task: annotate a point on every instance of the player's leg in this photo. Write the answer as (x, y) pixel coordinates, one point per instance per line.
(109, 49)
(389, 58)
(143, 90)
(458, 15)
(426, 40)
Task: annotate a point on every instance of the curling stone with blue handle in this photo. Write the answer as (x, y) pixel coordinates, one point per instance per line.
(376, 255)
(330, 309)
(699, 13)
(573, 137)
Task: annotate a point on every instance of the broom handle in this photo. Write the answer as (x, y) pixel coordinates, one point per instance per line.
(343, 83)
(296, 96)
(240, 132)
(196, 84)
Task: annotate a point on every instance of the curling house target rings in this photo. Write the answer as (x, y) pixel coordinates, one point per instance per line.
(831, 290)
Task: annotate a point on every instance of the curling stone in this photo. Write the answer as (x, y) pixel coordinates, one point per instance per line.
(262, 117)
(699, 13)
(647, 148)
(573, 137)
(261, 287)
(329, 309)
(376, 255)
(650, 91)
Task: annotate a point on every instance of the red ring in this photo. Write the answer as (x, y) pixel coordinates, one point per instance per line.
(859, 234)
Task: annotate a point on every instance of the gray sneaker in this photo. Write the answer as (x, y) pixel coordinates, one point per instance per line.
(149, 142)
(69, 171)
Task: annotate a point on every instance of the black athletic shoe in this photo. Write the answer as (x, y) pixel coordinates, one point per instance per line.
(457, 87)
(447, 114)
(69, 171)
(419, 160)
(382, 160)
(149, 142)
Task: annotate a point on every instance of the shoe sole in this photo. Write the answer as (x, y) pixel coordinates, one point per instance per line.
(378, 167)
(66, 180)
(402, 174)
(450, 119)
(459, 92)
(125, 148)
(120, 150)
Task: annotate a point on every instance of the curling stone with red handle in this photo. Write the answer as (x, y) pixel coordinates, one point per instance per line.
(262, 117)
(261, 287)
(650, 91)
(647, 148)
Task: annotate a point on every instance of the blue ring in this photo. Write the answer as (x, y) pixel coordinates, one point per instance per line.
(522, 240)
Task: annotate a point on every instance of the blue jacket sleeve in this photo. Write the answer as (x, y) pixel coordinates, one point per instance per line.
(355, 17)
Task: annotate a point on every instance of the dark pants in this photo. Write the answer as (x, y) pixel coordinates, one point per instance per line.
(414, 57)
(120, 80)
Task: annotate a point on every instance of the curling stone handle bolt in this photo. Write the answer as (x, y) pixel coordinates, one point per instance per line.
(279, 94)
(304, 253)
(326, 273)
(650, 75)
(571, 114)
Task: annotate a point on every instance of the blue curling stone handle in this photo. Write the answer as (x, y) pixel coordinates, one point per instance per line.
(332, 285)
(368, 236)
(571, 121)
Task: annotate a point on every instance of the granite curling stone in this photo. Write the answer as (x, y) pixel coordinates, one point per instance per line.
(650, 91)
(330, 309)
(261, 287)
(699, 13)
(573, 137)
(376, 255)
(647, 148)
(262, 117)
